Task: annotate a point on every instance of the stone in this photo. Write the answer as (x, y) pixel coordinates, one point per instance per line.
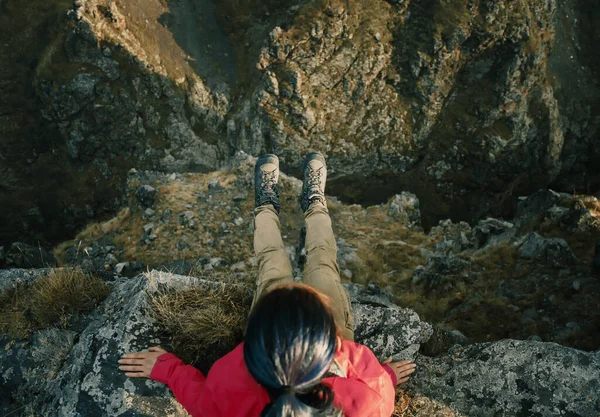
(452, 237)
(538, 203)
(111, 260)
(491, 232)
(239, 266)
(145, 195)
(120, 267)
(217, 262)
(23, 255)
(404, 208)
(438, 271)
(213, 184)
(512, 378)
(554, 251)
(148, 228)
(10, 278)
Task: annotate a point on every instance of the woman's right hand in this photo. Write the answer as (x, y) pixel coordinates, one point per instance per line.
(402, 369)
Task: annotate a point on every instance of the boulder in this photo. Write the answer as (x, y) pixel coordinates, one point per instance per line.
(538, 203)
(452, 237)
(145, 195)
(23, 255)
(491, 232)
(404, 208)
(390, 331)
(512, 378)
(554, 251)
(438, 272)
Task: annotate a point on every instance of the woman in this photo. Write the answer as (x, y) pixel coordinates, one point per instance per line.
(298, 358)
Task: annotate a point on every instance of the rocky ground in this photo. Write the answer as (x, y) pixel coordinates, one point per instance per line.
(503, 302)
(527, 278)
(74, 372)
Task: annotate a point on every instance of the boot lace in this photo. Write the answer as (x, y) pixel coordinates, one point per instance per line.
(313, 181)
(268, 184)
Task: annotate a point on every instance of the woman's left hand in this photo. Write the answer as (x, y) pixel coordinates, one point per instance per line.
(140, 364)
(402, 369)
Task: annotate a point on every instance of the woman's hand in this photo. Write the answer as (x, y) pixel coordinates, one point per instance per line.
(402, 369)
(140, 364)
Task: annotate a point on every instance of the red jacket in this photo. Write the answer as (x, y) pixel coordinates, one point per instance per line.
(231, 391)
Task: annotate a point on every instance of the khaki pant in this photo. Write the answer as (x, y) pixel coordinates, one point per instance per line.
(321, 270)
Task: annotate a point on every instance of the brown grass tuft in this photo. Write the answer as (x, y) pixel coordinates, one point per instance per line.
(402, 403)
(201, 324)
(52, 300)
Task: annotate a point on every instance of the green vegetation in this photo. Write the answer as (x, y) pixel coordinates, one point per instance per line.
(52, 300)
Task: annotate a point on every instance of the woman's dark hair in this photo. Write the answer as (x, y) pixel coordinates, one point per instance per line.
(290, 345)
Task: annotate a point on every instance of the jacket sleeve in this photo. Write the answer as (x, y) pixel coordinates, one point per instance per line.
(367, 368)
(185, 381)
(390, 372)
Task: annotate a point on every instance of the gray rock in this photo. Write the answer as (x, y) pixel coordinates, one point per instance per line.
(145, 195)
(72, 97)
(10, 278)
(438, 271)
(512, 378)
(148, 228)
(111, 260)
(453, 237)
(148, 213)
(89, 382)
(578, 220)
(554, 251)
(404, 208)
(491, 232)
(23, 255)
(120, 267)
(538, 203)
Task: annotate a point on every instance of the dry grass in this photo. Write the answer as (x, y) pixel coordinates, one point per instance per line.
(402, 403)
(52, 300)
(592, 204)
(491, 267)
(201, 324)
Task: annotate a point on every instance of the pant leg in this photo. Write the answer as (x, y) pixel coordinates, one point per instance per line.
(322, 271)
(274, 266)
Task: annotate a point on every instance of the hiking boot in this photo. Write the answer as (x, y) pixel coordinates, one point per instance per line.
(315, 176)
(266, 176)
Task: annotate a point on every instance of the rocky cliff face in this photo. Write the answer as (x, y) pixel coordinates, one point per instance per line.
(467, 104)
